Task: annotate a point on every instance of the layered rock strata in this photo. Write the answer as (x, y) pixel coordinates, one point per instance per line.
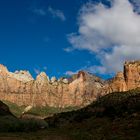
(79, 90)
(22, 89)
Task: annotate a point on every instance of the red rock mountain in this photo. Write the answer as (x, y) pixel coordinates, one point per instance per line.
(79, 90)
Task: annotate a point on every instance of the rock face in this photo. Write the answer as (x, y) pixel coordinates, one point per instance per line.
(79, 90)
(117, 84)
(132, 74)
(20, 87)
(128, 79)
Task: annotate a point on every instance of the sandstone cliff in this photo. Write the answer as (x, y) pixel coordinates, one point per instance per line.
(126, 80)
(132, 74)
(79, 90)
(116, 84)
(20, 87)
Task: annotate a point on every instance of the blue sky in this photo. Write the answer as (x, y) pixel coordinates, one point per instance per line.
(37, 35)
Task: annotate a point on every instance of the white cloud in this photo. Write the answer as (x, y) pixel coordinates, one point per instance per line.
(40, 12)
(57, 13)
(45, 68)
(96, 69)
(112, 33)
(39, 70)
(54, 12)
(69, 49)
(70, 73)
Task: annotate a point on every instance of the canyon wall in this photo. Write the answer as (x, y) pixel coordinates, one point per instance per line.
(79, 90)
(20, 88)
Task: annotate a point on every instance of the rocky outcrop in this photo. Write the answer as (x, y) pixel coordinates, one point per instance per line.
(117, 84)
(128, 79)
(79, 90)
(132, 74)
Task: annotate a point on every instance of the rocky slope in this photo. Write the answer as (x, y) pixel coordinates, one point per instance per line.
(115, 116)
(79, 90)
(4, 109)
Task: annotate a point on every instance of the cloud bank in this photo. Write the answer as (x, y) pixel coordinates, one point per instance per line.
(113, 34)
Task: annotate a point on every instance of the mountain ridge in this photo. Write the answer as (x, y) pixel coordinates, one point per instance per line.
(80, 90)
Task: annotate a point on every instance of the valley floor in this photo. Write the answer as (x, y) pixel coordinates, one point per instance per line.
(40, 135)
(124, 128)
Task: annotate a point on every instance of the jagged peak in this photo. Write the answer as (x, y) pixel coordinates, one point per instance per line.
(84, 86)
(86, 76)
(3, 68)
(22, 75)
(53, 79)
(132, 62)
(42, 76)
(120, 74)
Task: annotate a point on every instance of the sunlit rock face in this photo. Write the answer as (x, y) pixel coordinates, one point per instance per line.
(132, 74)
(79, 90)
(128, 79)
(85, 88)
(20, 87)
(117, 84)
